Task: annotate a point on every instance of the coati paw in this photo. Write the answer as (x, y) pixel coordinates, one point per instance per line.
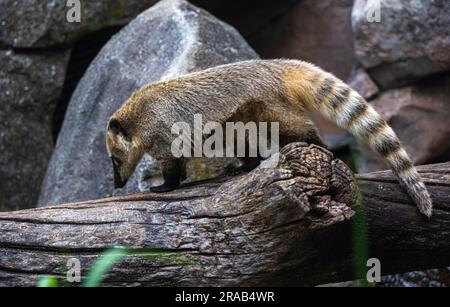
(163, 188)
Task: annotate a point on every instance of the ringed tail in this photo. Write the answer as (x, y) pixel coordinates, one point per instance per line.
(339, 103)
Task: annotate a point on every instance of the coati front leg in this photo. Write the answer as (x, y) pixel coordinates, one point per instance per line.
(174, 171)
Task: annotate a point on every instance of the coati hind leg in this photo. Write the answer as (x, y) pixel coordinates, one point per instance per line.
(305, 133)
(294, 126)
(298, 128)
(174, 171)
(309, 136)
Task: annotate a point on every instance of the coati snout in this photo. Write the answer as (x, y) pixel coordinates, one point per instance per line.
(124, 155)
(118, 181)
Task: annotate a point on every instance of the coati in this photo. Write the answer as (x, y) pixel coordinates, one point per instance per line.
(259, 91)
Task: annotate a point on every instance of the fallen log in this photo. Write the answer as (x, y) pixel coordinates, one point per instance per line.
(291, 225)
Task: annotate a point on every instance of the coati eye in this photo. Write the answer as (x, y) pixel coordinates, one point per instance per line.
(117, 128)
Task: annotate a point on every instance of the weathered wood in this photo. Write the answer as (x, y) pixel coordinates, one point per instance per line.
(401, 238)
(289, 225)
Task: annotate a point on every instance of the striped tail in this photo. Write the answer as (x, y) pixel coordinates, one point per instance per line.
(338, 102)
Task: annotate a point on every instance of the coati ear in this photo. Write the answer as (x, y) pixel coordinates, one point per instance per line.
(116, 128)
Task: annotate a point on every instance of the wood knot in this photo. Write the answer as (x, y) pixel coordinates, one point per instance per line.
(320, 185)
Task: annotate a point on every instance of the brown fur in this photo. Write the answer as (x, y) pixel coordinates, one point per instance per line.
(259, 91)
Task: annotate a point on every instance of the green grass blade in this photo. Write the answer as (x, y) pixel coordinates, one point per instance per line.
(103, 265)
(47, 282)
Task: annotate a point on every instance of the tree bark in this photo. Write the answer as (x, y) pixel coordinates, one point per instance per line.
(288, 225)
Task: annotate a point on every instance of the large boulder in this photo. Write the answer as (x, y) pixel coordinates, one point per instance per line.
(419, 115)
(172, 37)
(30, 85)
(429, 278)
(361, 82)
(411, 41)
(319, 32)
(38, 23)
(315, 31)
(248, 16)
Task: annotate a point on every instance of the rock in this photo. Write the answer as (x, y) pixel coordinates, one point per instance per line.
(411, 41)
(429, 278)
(39, 23)
(363, 84)
(319, 32)
(316, 31)
(30, 85)
(172, 37)
(334, 137)
(337, 141)
(419, 115)
(249, 16)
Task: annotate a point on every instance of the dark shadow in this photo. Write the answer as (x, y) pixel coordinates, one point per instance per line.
(83, 52)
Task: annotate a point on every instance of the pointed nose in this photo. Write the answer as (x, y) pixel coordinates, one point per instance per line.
(118, 181)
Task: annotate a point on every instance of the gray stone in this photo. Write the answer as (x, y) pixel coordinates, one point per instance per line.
(337, 141)
(419, 115)
(316, 31)
(363, 84)
(429, 278)
(411, 41)
(38, 23)
(30, 85)
(319, 32)
(248, 16)
(172, 37)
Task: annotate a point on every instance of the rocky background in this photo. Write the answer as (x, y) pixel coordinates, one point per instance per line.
(60, 81)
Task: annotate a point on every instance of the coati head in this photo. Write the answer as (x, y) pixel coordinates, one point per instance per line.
(124, 151)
